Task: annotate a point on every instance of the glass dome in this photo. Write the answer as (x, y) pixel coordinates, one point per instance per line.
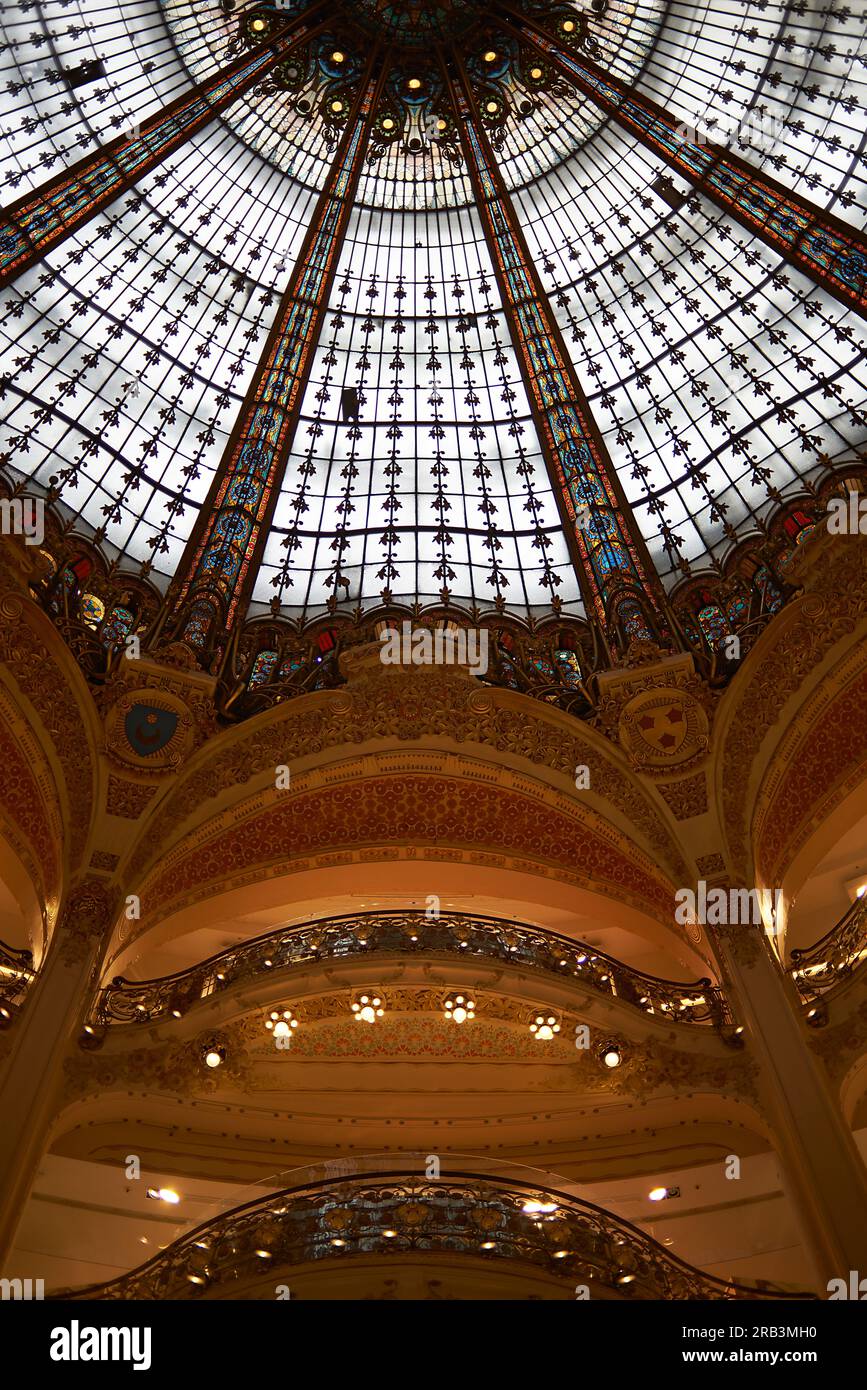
(720, 376)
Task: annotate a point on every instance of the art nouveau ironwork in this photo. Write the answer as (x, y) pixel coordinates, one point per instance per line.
(399, 1213)
(372, 935)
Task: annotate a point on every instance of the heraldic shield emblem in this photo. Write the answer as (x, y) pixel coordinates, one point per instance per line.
(149, 729)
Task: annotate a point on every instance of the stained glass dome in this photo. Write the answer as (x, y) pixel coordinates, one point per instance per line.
(721, 377)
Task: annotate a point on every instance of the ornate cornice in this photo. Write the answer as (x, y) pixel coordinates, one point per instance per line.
(408, 707)
(413, 1029)
(457, 813)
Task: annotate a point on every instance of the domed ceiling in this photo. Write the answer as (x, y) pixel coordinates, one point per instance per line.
(720, 377)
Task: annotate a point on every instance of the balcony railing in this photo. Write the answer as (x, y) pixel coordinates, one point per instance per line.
(16, 975)
(371, 934)
(822, 969)
(396, 1214)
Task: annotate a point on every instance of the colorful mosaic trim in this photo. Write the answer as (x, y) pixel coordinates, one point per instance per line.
(825, 249)
(38, 221)
(262, 438)
(608, 553)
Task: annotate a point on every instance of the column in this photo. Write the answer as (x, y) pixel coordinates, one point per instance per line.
(823, 1171)
(49, 1024)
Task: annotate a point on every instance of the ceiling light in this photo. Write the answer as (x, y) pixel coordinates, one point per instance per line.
(536, 73)
(214, 1057)
(368, 1008)
(337, 56)
(336, 106)
(490, 56)
(164, 1194)
(611, 1055)
(492, 108)
(656, 1194)
(414, 84)
(533, 1208)
(543, 1029)
(459, 1009)
(280, 1025)
(258, 25)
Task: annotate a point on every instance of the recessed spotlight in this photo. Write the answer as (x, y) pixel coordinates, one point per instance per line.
(338, 57)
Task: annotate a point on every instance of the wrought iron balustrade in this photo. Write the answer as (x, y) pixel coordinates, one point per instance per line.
(397, 1214)
(16, 975)
(822, 969)
(414, 934)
